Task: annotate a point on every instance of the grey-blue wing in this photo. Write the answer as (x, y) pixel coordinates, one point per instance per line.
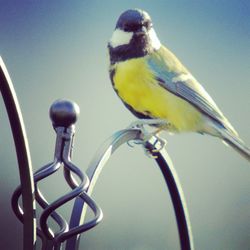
(188, 89)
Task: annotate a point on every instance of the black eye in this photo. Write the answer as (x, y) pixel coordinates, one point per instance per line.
(131, 27)
(126, 28)
(148, 25)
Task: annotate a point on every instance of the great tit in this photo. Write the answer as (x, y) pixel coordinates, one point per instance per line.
(156, 87)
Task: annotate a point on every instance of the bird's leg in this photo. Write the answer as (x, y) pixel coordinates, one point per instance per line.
(158, 143)
(149, 122)
(156, 124)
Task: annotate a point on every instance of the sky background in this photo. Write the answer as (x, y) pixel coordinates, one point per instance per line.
(57, 49)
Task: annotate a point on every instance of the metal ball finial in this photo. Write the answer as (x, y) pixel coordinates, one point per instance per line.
(64, 113)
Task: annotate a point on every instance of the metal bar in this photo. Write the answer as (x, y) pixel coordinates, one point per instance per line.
(93, 172)
(23, 157)
(68, 168)
(38, 176)
(87, 225)
(174, 186)
(47, 244)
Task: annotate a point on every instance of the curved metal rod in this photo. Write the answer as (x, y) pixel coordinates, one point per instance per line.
(177, 196)
(18, 210)
(39, 175)
(98, 215)
(171, 178)
(42, 173)
(68, 168)
(84, 182)
(56, 216)
(23, 156)
(93, 172)
(53, 206)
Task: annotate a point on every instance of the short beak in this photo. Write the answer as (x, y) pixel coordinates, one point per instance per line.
(142, 31)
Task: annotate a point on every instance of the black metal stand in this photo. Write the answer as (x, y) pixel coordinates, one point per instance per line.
(64, 115)
(23, 157)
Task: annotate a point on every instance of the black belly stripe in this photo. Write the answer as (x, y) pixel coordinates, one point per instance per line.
(111, 75)
(145, 115)
(140, 115)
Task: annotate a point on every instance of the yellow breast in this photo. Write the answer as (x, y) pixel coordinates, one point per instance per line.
(137, 86)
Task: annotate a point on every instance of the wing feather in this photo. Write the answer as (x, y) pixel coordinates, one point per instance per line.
(173, 76)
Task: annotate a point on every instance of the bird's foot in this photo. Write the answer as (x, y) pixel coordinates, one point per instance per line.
(154, 145)
(148, 128)
(150, 140)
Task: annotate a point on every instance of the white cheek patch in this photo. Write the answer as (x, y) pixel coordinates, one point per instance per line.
(120, 37)
(156, 44)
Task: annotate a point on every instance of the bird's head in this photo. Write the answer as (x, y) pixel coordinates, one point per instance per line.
(133, 36)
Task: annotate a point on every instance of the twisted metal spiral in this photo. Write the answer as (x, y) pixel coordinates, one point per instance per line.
(63, 115)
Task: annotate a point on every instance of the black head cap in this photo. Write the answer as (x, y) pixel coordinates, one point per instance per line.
(133, 20)
(139, 23)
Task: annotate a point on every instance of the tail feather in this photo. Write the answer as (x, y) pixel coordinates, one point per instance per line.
(236, 143)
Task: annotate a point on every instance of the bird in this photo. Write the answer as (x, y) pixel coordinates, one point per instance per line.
(157, 88)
